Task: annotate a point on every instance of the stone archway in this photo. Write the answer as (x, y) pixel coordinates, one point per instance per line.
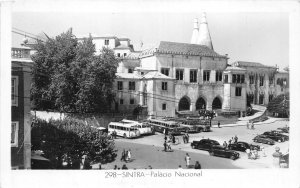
(217, 104)
(184, 104)
(200, 104)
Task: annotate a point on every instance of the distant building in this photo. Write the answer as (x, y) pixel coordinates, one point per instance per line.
(20, 110)
(174, 77)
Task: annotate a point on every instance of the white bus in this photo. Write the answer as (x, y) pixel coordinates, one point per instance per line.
(125, 130)
(144, 128)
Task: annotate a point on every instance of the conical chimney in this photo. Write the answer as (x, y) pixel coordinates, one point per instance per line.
(204, 36)
(195, 32)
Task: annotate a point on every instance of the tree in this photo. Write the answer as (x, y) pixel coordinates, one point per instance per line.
(69, 77)
(70, 139)
(280, 105)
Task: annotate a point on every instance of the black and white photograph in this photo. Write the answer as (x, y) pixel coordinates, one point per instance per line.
(149, 91)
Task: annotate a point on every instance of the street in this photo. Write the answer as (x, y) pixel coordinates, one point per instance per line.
(147, 150)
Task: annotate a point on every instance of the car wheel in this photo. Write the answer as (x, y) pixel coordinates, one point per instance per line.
(211, 153)
(125, 136)
(232, 157)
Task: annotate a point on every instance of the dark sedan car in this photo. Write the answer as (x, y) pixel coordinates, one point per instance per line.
(277, 133)
(242, 146)
(263, 139)
(275, 137)
(221, 151)
(284, 129)
(204, 144)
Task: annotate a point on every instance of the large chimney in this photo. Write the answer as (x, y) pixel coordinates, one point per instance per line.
(195, 32)
(204, 36)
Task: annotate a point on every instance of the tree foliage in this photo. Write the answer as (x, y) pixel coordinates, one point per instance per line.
(68, 140)
(280, 105)
(69, 77)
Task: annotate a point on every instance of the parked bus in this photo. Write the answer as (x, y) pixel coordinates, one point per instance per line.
(125, 130)
(201, 125)
(144, 128)
(162, 125)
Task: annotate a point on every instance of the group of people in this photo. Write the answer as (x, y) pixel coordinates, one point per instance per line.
(252, 153)
(185, 138)
(126, 155)
(231, 141)
(187, 159)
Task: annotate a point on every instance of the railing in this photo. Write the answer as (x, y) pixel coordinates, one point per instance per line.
(20, 53)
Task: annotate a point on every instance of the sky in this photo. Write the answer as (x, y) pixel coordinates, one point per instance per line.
(245, 36)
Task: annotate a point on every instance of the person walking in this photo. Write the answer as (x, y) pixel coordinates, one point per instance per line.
(183, 138)
(197, 165)
(129, 155)
(173, 139)
(248, 152)
(165, 146)
(123, 155)
(187, 160)
(219, 124)
(225, 144)
(187, 137)
(229, 141)
(235, 139)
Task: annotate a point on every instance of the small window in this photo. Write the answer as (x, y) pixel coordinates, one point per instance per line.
(261, 99)
(179, 74)
(14, 90)
(270, 97)
(164, 106)
(14, 133)
(132, 86)
(106, 42)
(131, 101)
(164, 86)
(121, 101)
(234, 78)
(226, 79)
(165, 71)
(251, 78)
(206, 75)
(120, 85)
(193, 76)
(238, 91)
(238, 78)
(219, 76)
(130, 70)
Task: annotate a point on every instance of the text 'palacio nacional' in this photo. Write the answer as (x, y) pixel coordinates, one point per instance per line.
(174, 77)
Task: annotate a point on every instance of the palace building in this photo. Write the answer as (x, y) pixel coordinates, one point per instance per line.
(174, 77)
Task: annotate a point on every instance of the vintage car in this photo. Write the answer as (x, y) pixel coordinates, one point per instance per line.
(277, 138)
(275, 132)
(263, 139)
(284, 129)
(242, 146)
(204, 144)
(221, 151)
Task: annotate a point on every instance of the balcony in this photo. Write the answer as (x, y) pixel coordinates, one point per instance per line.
(20, 53)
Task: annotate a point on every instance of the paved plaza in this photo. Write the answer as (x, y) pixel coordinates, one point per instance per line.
(147, 150)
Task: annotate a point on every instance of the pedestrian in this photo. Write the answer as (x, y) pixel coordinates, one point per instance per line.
(173, 139)
(183, 138)
(248, 152)
(263, 151)
(197, 165)
(129, 155)
(187, 137)
(187, 160)
(235, 139)
(165, 146)
(219, 124)
(229, 141)
(123, 155)
(124, 167)
(225, 144)
(169, 146)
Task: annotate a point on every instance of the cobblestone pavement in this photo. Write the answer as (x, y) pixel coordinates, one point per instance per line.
(219, 134)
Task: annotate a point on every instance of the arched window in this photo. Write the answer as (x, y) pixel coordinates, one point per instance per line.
(200, 104)
(217, 104)
(184, 104)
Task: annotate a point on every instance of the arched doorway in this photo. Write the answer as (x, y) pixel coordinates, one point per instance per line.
(200, 104)
(184, 104)
(216, 104)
